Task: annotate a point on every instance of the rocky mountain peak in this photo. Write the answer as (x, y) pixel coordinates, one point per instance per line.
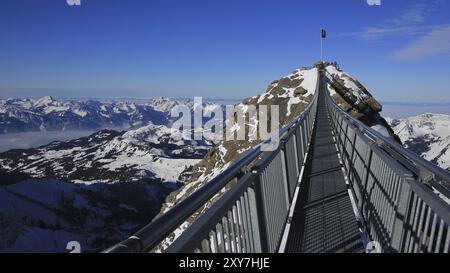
(44, 101)
(292, 93)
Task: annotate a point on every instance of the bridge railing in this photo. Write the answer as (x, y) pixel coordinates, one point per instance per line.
(250, 217)
(399, 212)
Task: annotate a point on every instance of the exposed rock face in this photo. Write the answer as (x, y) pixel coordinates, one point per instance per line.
(283, 93)
(357, 101)
(291, 93)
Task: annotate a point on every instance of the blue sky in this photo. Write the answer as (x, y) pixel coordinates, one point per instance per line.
(219, 49)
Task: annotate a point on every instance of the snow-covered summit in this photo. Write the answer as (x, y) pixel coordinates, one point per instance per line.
(348, 82)
(428, 135)
(44, 101)
(164, 104)
(292, 92)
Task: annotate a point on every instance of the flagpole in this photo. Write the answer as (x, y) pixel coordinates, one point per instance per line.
(323, 35)
(321, 48)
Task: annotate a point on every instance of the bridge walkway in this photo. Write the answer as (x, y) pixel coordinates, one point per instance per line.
(323, 219)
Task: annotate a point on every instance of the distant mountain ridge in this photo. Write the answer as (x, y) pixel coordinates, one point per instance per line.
(428, 135)
(48, 114)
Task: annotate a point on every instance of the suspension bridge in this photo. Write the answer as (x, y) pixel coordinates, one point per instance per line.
(333, 185)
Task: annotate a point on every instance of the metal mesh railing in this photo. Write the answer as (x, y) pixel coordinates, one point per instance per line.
(293, 167)
(229, 226)
(399, 212)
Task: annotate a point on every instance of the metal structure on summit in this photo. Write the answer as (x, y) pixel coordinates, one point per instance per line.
(333, 185)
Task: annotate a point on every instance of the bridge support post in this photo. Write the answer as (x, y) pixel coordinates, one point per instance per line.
(261, 212)
(286, 176)
(400, 228)
(256, 226)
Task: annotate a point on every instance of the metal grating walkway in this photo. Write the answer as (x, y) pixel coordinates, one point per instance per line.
(323, 219)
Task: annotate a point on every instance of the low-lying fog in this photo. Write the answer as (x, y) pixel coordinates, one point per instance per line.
(399, 110)
(35, 139)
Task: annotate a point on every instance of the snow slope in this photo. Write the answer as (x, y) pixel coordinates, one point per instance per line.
(109, 156)
(44, 215)
(428, 135)
(96, 190)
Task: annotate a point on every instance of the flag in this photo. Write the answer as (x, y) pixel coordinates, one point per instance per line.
(323, 33)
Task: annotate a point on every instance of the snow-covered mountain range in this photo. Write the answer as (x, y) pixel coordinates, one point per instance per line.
(428, 135)
(95, 190)
(109, 156)
(48, 114)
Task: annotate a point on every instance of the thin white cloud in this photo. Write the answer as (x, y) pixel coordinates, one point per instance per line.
(375, 33)
(435, 43)
(408, 22)
(414, 14)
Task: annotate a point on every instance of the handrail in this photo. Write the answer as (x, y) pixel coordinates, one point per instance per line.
(414, 163)
(424, 191)
(397, 207)
(153, 233)
(202, 227)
